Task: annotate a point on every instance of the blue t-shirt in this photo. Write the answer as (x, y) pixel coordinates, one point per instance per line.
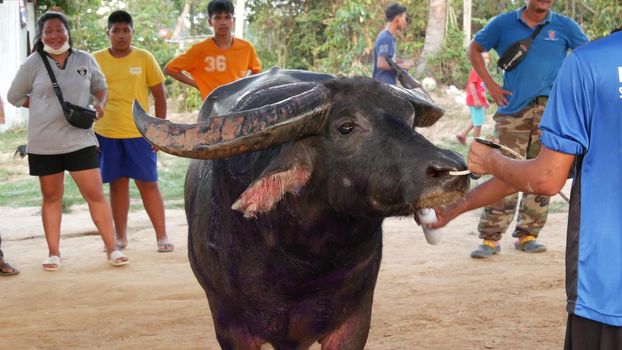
(535, 75)
(384, 46)
(584, 117)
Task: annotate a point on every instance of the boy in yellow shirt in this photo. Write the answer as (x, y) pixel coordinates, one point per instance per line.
(218, 60)
(131, 73)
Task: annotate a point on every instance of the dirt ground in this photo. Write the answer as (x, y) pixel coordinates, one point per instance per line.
(427, 297)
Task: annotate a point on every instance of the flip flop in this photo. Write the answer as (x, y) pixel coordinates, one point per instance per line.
(54, 263)
(5, 265)
(164, 246)
(118, 259)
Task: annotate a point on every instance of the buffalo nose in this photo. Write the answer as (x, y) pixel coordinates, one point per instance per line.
(437, 170)
(451, 161)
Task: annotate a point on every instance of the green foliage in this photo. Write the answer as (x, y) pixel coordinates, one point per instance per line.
(334, 36)
(19, 190)
(451, 66)
(287, 33)
(9, 140)
(186, 98)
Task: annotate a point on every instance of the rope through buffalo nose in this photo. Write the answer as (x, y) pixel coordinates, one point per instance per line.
(490, 142)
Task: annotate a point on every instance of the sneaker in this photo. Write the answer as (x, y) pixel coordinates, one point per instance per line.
(486, 250)
(529, 244)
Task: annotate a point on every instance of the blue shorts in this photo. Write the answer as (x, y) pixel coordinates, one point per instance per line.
(477, 115)
(133, 158)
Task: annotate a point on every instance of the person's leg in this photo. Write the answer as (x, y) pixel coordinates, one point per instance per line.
(90, 186)
(83, 166)
(477, 131)
(463, 134)
(477, 119)
(49, 168)
(533, 209)
(52, 188)
(152, 201)
(142, 165)
(111, 163)
(496, 218)
(120, 203)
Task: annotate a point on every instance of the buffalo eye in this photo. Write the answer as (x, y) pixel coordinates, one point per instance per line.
(346, 128)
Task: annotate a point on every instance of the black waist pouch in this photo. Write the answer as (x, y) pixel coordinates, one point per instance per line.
(80, 117)
(517, 52)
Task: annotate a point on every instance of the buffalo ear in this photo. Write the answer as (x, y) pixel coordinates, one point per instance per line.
(427, 112)
(288, 172)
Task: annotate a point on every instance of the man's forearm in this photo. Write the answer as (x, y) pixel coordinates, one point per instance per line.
(544, 175)
(181, 77)
(159, 100)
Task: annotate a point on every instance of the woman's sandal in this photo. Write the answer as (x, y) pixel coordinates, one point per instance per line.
(52, 263)
(118, 259)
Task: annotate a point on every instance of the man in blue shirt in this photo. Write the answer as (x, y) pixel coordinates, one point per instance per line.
(521, 102)
(581, 126)
(385, 45)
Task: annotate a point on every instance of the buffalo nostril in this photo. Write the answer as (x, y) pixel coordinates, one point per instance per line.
(436, 172)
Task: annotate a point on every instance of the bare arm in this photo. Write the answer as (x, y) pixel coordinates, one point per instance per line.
(498, 94)
(485, 194)
(382, 63)
(473, 92)
(546, 174)
(179, 76)
(101, 97)
(159, 99)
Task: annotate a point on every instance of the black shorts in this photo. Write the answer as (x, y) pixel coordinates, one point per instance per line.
(585, 334)
(48, 164)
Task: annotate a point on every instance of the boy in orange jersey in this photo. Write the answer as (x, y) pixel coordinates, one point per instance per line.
(218, 60)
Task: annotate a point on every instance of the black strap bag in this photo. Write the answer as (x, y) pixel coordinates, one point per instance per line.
(80, 117)
(517, 52)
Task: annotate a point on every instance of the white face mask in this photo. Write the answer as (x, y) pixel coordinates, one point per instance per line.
(58, 51)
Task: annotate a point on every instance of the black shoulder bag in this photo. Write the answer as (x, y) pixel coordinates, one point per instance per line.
(80, 117)
(513, 56)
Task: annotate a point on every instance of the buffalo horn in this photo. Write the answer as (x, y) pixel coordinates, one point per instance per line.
(238, 132)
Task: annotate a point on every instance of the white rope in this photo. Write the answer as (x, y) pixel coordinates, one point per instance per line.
(460, 173)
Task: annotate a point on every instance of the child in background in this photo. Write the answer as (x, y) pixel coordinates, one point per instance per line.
(477, 102)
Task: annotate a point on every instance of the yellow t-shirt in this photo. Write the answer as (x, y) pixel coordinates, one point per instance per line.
(212, 66)
(128, 78)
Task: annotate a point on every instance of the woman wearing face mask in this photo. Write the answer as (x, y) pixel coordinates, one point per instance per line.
(53, 144)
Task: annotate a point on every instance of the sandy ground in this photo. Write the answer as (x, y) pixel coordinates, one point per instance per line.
(427, 297)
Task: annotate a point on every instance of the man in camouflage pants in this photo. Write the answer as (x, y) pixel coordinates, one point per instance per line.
(519, 132)
(521, 102)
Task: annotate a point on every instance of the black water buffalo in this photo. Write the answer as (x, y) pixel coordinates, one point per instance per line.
(285, 218)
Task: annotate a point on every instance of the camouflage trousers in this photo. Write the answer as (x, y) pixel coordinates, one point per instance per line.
(521, 133)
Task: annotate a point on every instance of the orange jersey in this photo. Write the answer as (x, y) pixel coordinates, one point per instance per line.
(212, 66)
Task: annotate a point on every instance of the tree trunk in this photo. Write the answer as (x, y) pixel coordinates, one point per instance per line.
(466, 22)
(434, 34)
(179, 27)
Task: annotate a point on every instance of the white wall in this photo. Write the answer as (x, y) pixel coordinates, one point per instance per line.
(13, 50)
